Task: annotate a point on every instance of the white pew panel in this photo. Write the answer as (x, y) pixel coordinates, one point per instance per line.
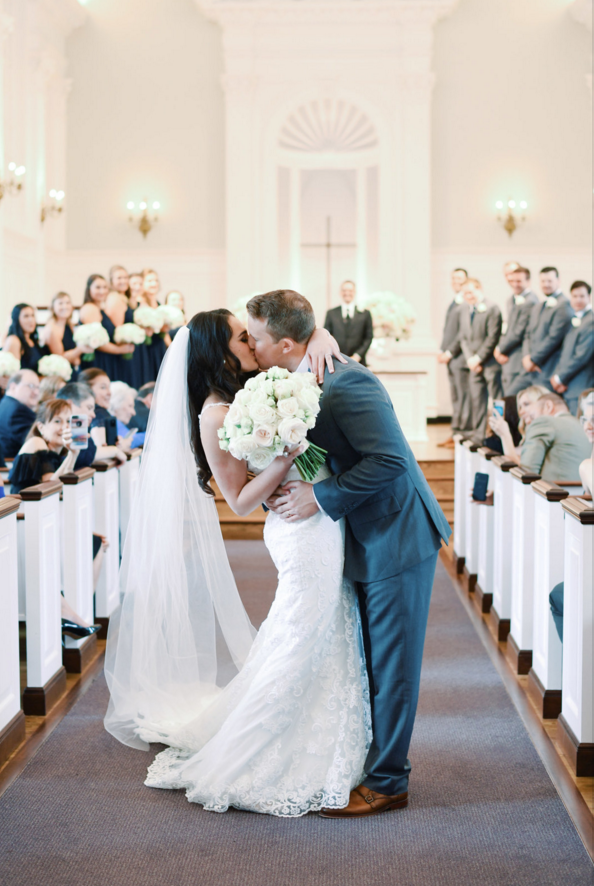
(471, 523)
(12, 719)
(128, 480)
(460, 454)
(500, 614)
(483, 591)
(107, 523)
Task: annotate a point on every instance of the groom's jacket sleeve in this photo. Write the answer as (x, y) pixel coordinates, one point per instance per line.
(370, 428)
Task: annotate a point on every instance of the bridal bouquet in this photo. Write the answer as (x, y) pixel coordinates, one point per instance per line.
(129, 334)
(148, 318)
(393, 317)
(54, 364)
(90, 335)
(8, 364)
(171, 316)
(274, 410)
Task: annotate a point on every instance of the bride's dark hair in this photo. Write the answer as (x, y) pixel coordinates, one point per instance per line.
(212, 369)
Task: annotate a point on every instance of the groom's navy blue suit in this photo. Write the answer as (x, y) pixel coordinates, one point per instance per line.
(394, 528)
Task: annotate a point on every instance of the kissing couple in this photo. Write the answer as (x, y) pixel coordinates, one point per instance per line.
(315, 711)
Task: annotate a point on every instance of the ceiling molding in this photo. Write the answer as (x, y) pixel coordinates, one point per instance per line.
(424, 12)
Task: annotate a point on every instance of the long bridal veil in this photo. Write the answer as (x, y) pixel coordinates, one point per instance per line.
(181, 632)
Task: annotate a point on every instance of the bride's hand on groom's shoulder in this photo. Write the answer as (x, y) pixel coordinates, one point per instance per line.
(296, 501)
(322, 348)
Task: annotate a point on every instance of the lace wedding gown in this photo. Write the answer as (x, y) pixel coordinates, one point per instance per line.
(290, 733)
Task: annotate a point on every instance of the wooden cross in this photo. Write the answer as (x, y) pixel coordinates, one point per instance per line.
(329, 246)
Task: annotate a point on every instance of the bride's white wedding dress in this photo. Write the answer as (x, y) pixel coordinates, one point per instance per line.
(290, 733)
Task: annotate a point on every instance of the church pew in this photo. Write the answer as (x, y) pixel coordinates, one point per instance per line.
(576, 721)
(107, 523)
(483, 590)
(519, 641)
(459, 504)
(77, 562)
(12, 718)
(128, 479)
(500, 613)
(471, 523)
(46, 676)
(544, 677)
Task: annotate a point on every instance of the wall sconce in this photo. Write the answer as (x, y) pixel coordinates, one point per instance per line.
(13, 183)
(140, 217)
(53, 208)
(510, 222)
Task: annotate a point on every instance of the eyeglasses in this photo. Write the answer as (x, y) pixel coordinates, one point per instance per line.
(32, 386)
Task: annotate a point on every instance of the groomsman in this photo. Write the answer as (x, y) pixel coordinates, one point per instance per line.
(549, 323)
(480, 330)
(574, 372)
(457, 369)
(352, 328)
(508, 352)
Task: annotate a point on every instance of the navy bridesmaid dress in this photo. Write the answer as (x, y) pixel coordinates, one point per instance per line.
(134, 367)
(32, 356)
(69, 344)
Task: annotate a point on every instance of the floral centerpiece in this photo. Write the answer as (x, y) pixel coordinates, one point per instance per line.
(54, 364)
(129, 334)
(8, 364)
(150, 319)
(90, 335)
(171, 316)
(393, 318)
(240, 307)
(274, 410)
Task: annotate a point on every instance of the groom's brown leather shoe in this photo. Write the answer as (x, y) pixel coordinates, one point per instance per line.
(364, 802)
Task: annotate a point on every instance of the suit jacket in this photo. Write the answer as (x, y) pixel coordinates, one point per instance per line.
(140, 419)
(555, 446)
(393, 520)
(546, 330)
(354, 336)
(481, 334)
(451, 326)
(518, 317)
(16, 421)
(576, 359)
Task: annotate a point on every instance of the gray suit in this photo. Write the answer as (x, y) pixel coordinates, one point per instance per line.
(480, 331)
(555, 446)
(576, 360)
(457, 370)
(510, 343)
(394, 528)
(543, 340)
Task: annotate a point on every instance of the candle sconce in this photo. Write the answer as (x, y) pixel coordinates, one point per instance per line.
(54, 207)
(14, 183)
(511, 221)
(140, 217)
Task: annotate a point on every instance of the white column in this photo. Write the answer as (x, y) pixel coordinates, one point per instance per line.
(460, 456)
(12, 724)
(502, 543)
(520, 636)
(471, 519)
(295, 227)
(77, 541)
(361, 230)
(128, 474)
(486, 517)
(107, 523)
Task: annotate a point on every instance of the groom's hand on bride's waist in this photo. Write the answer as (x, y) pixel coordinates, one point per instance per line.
(296, 502)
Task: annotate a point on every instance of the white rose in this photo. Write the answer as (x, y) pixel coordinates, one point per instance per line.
(310, 421)
(308, 399)
(264, 435)
(277, 373)
(242, 397)
(288, 408)
(283, 388)
(261, 413)
(236, 413)
(261, 458)
(292, 431)
(242, 447)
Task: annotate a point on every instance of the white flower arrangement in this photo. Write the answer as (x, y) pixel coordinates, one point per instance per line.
(240, 307)
(54, 364)
(148, 318)
(171, 316)
(90, 335)
(274, 410)
(8, 364)
(392, 316)
(129, 334)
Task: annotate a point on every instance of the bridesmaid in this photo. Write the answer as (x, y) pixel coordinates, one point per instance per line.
(119, 307)
(176, 300)
(59, 333)
(22, 340)
(160, 341)
(108, 357)
(135, 283)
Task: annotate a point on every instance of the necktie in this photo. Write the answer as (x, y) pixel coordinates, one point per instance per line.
(472, 315)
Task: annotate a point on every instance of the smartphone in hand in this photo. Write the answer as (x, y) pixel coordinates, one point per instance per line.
(481, 483)
(499, 406)
(79, 425)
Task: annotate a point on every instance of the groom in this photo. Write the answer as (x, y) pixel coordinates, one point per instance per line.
(394, 528)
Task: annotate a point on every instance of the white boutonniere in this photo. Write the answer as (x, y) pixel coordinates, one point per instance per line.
(576, 321)
(481, 308)
(520, 299)
(551, 302)
(459, 298)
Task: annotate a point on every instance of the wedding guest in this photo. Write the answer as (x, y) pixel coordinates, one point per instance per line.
(176, 300)
(49, 385)
(555, 445)
(456, 366)
(136, 285)
(160, 341)
(122, 406)
(549, 323)
(81, 401)
(22, 340)
(142, 404)
(508, 352)
(17, 411)
(479, 332)
(512, 420)
(120, 309)
(59, 331)
(575, 370)
(108, 357)
(352, 328)
(103, 428)
(509, 267)
(503, 428)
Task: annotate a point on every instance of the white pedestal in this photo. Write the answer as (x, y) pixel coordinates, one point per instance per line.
(12, 726)
(408, 392)
(502, 545)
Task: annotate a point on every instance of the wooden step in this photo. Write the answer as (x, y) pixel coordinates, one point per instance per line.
(441, 488)
(437, 470)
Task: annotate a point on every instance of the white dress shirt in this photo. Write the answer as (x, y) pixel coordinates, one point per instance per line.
(348, 310)
(304, 367)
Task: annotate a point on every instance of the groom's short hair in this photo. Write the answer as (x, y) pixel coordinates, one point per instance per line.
(287, 313)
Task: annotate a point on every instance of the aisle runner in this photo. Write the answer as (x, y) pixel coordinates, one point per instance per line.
(483, 810)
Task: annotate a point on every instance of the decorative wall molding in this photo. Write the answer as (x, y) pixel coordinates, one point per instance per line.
(328, 125)
(424, 12)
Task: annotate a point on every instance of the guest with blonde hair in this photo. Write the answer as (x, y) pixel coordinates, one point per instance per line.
(119, 307)
(49, 387)
(500, 426)
(160, 340)
(58, 334)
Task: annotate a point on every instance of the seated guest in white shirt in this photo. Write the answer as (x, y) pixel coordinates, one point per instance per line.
(352, 328)
(575, 370)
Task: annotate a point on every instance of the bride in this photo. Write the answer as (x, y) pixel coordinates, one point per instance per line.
(276, 722)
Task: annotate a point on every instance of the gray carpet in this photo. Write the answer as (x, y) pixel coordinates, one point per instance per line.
(483, 810)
